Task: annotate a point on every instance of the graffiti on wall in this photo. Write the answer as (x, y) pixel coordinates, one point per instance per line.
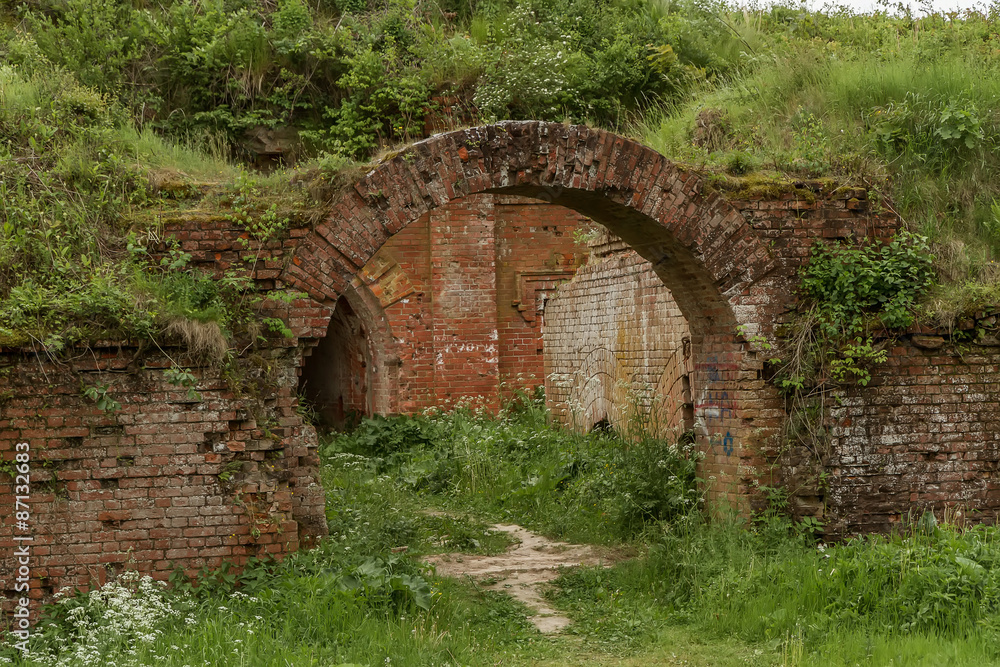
(716, 405)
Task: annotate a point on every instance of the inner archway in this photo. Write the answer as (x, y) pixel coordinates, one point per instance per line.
(617, 348)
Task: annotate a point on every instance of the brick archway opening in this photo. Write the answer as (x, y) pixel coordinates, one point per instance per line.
(717, 267)
(350, 373)
(715, 370)
(617, 347)
(335, 378)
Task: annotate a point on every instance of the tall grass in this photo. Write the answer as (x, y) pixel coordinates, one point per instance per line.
(598, 487)
(906, 108)
(920, 599)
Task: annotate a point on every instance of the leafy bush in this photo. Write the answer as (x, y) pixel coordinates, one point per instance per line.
(851, 293)
(938, 129)
(850, 283)
(382, 436)
(368, 78)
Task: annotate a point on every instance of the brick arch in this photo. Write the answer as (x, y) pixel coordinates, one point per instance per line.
(715, 264)
(600, 390)
(357, 325)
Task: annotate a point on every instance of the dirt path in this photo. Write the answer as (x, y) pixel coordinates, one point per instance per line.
(521, 571)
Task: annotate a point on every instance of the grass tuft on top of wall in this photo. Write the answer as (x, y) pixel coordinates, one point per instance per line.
(81, 196)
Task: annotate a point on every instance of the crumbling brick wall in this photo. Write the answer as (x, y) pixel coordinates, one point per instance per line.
(185, 481)
(923, 435)
(177, 480)
(161, 478)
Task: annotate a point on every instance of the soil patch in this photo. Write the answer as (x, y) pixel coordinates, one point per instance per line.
(522, 570)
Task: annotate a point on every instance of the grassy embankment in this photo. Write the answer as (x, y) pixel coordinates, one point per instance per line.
(904, 106)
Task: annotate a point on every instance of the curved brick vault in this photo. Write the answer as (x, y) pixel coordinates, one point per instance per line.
(718, 267)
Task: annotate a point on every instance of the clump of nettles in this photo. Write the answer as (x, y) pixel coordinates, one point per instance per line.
(109, 625)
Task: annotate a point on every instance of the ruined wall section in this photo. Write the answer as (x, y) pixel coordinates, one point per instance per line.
(616, 345)
(923, 435)
(197, 473)
(614, 332)
(169, 477)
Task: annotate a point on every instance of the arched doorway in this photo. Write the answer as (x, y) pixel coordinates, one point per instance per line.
(719, 269)
(351, 371)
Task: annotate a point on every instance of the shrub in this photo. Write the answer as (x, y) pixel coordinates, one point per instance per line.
(850, 283)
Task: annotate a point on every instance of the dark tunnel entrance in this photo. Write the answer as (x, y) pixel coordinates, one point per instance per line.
(337, 378)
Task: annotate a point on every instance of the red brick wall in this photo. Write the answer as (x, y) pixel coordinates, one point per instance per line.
(462, 290)
(463, 284)
(400, 277)
(536, 252)
(168, 480)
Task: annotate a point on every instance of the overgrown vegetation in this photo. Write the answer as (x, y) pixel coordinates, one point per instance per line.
(105, 102)
(596, 488)
(76, 182)
(109, 108)
(111, 111)
(855, 299)
(724, 591)
(351, 76)
(904, 105)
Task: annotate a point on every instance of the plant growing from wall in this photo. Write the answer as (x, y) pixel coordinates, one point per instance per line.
(98, 393)
(264, 224)
(183, 377)
(859, 287)
(854, 296)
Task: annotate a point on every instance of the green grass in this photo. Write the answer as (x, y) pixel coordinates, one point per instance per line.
(601, 488)
(906, 108)
(693, 592)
